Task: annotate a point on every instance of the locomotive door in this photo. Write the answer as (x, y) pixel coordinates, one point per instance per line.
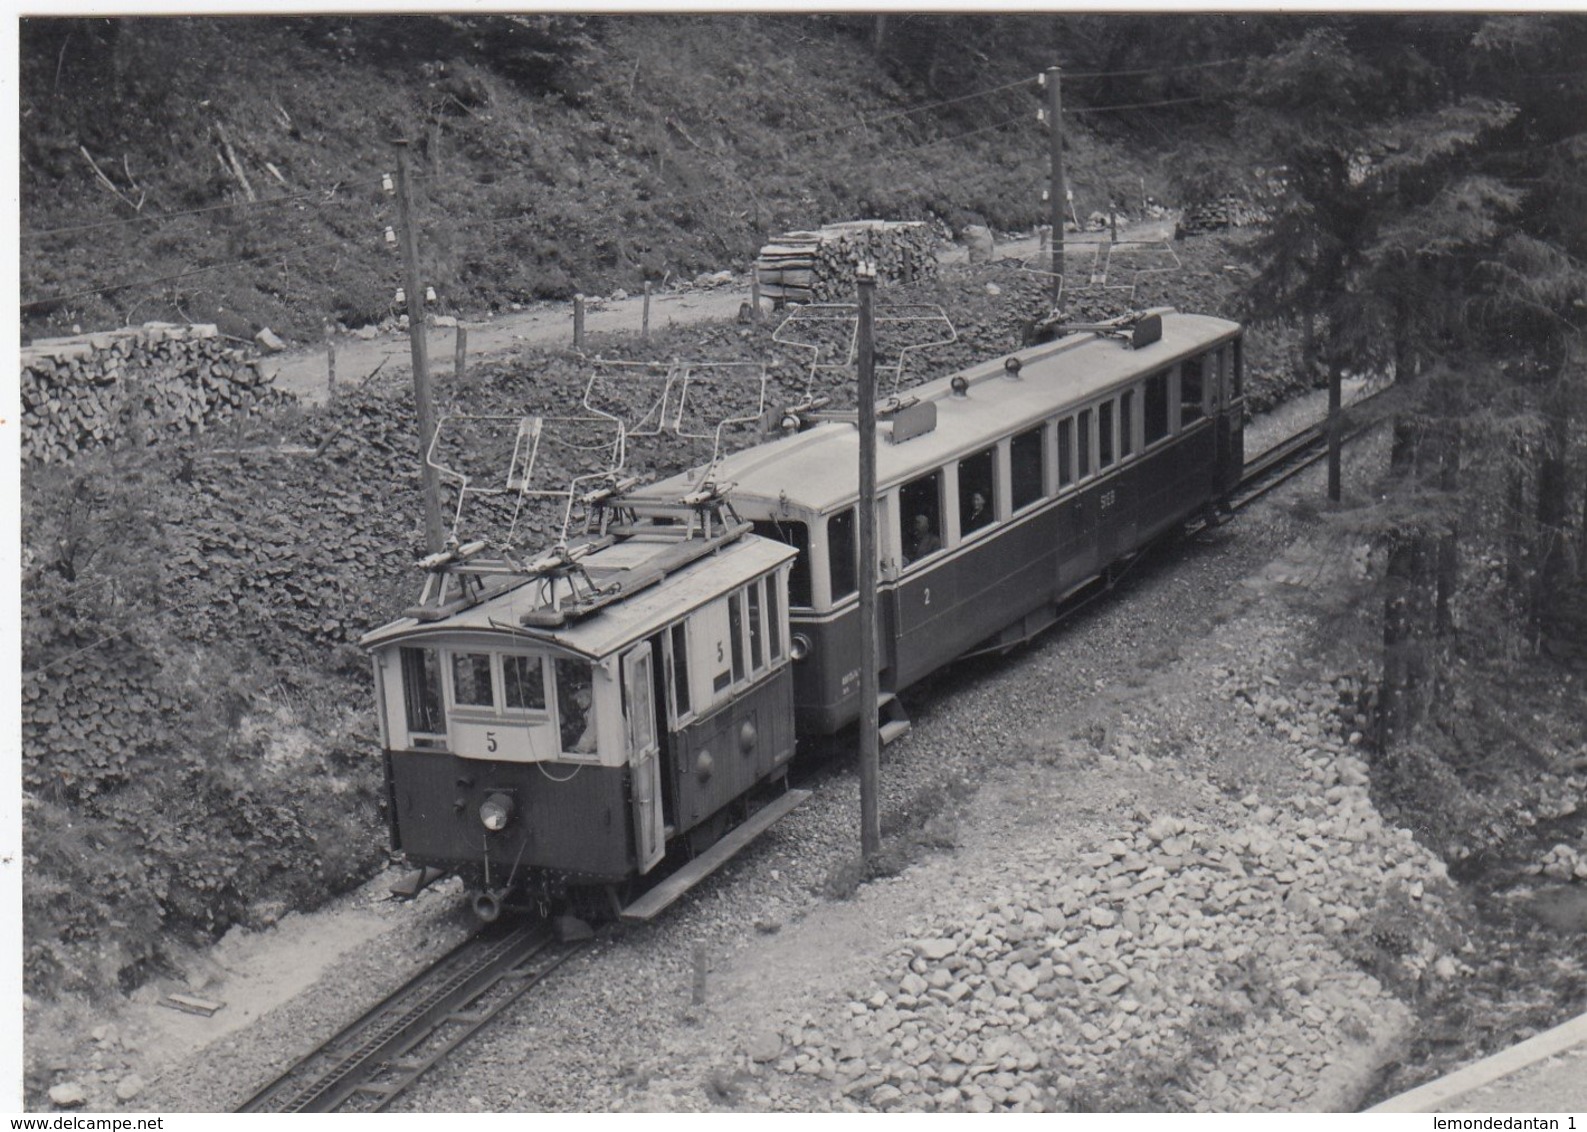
(644, 756)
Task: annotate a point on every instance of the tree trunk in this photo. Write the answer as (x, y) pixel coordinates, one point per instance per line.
(1549, 552)
(1448, 569)
(1404, 664)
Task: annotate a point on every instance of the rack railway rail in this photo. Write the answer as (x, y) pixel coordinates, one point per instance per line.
(373, 1060)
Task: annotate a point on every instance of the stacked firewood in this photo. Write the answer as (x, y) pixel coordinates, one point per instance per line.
(1217, 215)
(144, 384)
(819, 266)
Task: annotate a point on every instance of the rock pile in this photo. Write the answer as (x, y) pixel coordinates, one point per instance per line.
(158, 380)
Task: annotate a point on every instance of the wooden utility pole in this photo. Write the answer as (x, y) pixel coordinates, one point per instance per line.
(1057, 192)
(434, 530)
(1335, 440)
(870, 722)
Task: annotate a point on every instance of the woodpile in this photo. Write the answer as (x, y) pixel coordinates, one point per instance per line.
(1218, 215)
(144, 383)
(806, 267)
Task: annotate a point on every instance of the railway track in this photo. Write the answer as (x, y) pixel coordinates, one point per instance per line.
(1291, 456)
(372, 1061)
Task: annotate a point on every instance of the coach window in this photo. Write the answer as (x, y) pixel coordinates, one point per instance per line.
(523, 682)
(1084, 443)
(1105, 434)
(1066, 452)
(1191, 391)
(757, 631)
(1155, 417)
(843, 554)
(471, 680)
(796, 535)
(575, 696)
(1027, 455)
(920, 511)
(977, 491)
(1126, 423)
(421, 691)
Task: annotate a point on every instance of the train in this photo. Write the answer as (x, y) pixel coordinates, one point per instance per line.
(613, 720)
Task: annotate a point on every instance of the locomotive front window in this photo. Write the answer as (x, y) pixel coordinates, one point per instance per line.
(1155, 418)
(1190, 390)
(576, 725)
(471, 679)
(1027, 453)
(796, 535)
(523, 682)
(421, 691)
(977, 491)
(920, 511)
(843, 554)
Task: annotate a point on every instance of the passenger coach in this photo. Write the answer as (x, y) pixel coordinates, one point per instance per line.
(1001, 491)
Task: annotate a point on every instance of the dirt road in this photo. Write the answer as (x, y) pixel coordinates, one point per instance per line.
(303, 370)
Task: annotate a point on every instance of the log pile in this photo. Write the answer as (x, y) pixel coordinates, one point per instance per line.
(144, 383)
(1219, 215)
(818, 266)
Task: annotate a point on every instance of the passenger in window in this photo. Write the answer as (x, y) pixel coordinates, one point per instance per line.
(922, 540)
(979, 514)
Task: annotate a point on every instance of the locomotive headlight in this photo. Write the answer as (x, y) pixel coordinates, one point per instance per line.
(495, 812)
(799, 646)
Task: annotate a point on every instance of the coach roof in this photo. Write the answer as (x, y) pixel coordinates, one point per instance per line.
(818, 468)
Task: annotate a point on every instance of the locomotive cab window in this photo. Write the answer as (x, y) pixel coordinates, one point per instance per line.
(1191, 390)
(471, 680)
(1126, 423)
(1066, 452)
(1027, 459)
(679, 659)
(920, 512)
(843, 554)
(977, 491)
(575, 707)
(1105, 434)
(796, 535)
(757, 630)
(1155, 417)
(1083, 438)
(421, 692)
(774, 632)
(735, 629)
(523, 682)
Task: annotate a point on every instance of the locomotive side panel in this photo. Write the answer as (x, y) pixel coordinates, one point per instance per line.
(724, 755)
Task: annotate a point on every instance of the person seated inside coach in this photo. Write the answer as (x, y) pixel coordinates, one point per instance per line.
(922, 540)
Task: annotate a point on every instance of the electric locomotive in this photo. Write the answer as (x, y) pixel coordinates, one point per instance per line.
(556, 726)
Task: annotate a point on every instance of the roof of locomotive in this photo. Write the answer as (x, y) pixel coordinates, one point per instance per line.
(613, 626)
(818, 468)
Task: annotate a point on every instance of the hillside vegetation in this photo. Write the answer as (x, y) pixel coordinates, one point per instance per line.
(552, 154)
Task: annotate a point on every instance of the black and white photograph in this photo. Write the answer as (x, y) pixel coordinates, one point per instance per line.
(805, 560)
